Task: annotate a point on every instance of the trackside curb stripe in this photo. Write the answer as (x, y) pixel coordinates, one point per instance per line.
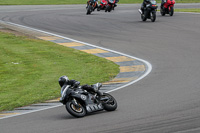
(123, 57)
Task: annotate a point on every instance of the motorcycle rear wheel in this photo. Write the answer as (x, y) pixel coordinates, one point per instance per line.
(111, 105)
(162, 12)
(143, 17)
(75, 111)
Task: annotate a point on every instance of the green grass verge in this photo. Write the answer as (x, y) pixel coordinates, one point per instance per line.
(188, 10)
(57, 2)
(29, 70)
(195, 10)
(187, 1)
(158, 1)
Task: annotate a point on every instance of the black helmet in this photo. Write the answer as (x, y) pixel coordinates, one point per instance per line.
(62, 80)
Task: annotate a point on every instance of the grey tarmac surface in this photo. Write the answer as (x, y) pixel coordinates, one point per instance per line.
(166, 101)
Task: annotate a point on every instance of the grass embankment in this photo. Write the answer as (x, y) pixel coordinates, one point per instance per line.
(140, 1)
(58, 2)
(29, 70)
(197, 10)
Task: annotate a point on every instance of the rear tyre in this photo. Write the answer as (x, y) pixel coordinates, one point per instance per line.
(75, 111)
(162, 12)
(110, 105)
(143, 17)
(171, 11)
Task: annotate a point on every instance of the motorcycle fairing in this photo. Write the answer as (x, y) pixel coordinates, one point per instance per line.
(64, 93)
(169, 3)
(94, 107)
(88, 101)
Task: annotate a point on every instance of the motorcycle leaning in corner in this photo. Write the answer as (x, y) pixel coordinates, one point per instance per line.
(107, 5)
(91, 6)
(102, 5)
(110, 6)
(79, 102)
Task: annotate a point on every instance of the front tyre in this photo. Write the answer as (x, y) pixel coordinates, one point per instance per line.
(89, 9)
(111, 104)
(153, 16)
(107, 8)
(171, 11)
(74, 110)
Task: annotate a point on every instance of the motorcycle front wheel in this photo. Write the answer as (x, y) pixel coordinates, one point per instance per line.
(171, 11)
(89, 9)
(153, 16)
(107, 8)
(75, 111)
(110, 105)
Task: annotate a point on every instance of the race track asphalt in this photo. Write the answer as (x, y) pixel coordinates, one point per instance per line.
(165, 101)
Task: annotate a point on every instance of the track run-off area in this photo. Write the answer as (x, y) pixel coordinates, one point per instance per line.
(165, 101)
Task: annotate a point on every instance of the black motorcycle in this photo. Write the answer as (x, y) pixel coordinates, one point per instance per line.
(149, 11)
(80, 102)
(91, 6)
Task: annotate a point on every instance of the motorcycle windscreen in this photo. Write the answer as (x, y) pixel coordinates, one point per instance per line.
(111, 1)
(93, 1)
(153, 2)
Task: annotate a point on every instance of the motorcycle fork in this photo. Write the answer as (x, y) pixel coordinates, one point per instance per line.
(75, 103)
(170, 6)
(95, 4)
(95, 99)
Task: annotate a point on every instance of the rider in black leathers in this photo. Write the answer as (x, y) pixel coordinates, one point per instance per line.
(144, 5)
(116, 2)
(64, 80)
(95, 6)
(162, 3)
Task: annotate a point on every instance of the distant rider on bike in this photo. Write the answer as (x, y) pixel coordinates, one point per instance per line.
(163, 2)
(143, 6)
(96, 3)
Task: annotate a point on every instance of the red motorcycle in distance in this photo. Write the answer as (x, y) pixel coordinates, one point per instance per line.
(167, 8)
(107, 5)
(102, 5)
